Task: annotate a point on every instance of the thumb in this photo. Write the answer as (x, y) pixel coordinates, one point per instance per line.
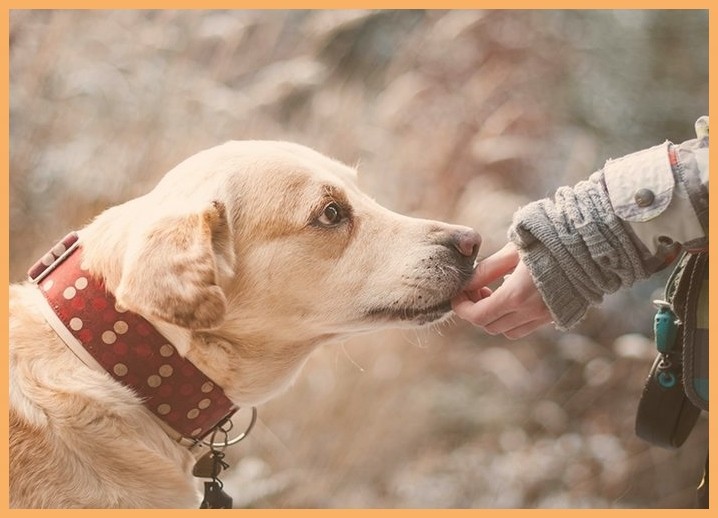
(494, 267)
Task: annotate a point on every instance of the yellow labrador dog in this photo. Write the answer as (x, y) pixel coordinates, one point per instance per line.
(140, 334)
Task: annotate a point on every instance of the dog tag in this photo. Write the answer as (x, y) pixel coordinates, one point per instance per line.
(207, 466)
(215, 497)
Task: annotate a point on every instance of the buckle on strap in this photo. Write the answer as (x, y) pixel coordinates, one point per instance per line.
(54, 257)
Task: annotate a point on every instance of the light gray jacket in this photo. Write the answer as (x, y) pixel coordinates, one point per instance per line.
(627, 221)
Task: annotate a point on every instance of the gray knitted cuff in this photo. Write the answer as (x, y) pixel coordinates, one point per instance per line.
(576, 249)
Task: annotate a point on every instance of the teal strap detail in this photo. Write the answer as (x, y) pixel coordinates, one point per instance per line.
(665, 327)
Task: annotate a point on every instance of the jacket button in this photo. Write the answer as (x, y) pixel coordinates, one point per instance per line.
(644, 197)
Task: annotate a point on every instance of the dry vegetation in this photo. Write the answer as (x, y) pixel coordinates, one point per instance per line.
(461, 116)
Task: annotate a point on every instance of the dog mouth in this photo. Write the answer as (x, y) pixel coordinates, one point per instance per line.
(427, 302)
(416, 315)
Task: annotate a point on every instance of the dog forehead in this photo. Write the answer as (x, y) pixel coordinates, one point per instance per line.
(282, 157)
(291, 170)
(244, 172)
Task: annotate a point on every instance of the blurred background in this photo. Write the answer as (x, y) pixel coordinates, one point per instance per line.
(455, 115)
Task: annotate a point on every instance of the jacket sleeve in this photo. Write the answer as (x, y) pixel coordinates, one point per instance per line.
(662, 193)
(625, 222)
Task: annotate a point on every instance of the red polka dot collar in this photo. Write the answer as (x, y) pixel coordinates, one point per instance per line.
(126, 345)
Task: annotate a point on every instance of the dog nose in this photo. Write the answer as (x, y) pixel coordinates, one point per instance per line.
(467, 242)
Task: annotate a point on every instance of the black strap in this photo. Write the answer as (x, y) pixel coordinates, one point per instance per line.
(665, 415)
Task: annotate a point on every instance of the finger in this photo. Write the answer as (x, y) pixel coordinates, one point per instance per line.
(479, 294)
(494, 267)
(512, 317)
(484, 311)
(526, 329)
(463, 306)
(508, 321)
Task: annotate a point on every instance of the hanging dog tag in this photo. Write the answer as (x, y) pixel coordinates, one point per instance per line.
(207, 466)
(215, 497)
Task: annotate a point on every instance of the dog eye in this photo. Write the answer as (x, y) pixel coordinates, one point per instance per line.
(332, 215)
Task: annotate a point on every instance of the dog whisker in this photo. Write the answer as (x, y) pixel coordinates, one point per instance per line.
(351, 360)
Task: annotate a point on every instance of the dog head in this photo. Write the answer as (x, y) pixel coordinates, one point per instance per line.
(271, 244)
(273, 235)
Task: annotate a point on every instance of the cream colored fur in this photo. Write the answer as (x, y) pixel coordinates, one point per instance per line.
(235, 257)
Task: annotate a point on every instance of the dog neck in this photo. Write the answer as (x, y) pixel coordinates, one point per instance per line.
(127, 346)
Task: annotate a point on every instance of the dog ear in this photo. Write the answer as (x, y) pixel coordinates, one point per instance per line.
(174, 270)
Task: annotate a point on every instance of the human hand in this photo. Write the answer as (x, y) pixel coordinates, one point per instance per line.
(515, 309)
